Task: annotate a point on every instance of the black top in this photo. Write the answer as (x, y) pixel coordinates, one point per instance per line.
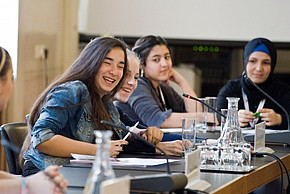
(277, 90)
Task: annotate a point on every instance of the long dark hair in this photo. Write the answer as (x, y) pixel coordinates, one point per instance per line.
(5, 63)
(144, 45)
(85, 69)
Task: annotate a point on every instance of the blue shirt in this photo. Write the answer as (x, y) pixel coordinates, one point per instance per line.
(66, 111)
(144, 105)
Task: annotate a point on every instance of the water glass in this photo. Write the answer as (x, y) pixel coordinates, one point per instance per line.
(209, 155)
(247, 155)
(201, 115)
(188, 134)
(228, 159)
(211, 115)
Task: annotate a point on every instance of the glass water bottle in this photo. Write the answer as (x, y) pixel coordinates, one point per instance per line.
(102, 169)
(231, 133)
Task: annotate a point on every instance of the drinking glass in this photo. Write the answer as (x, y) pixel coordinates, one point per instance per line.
(188, 134)
(211, 115)
(246, 155)
(201, 115)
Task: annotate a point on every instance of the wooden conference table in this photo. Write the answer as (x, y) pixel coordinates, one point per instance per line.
(267, 170)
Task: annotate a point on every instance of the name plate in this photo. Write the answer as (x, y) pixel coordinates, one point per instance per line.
(259, 141)
(117, 185)
(192, 171)
(192, 161)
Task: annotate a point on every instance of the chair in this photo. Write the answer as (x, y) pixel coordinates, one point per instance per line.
(14, 135)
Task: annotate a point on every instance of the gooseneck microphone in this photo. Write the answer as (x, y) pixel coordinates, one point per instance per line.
(141, 139)
(268, 96)
(196, 99)
(156, 182)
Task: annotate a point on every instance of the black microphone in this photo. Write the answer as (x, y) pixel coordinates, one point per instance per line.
(193, 98)
(158, 182)
(268, 96)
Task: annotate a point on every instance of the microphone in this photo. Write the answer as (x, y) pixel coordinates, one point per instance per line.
(158, 182)
(268, 96)
(193, 98)
(281, 136)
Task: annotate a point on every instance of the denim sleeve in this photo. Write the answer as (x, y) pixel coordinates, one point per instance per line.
(145, 104)
(60, 107)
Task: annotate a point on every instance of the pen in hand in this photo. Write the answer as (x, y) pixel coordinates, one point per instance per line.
(131, 129)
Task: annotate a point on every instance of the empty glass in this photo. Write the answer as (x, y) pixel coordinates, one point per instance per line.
(188, 134)
(209, 155)
(211, 115)
(201, 115)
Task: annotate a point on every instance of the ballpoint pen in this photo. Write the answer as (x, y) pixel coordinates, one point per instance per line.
(131, 129)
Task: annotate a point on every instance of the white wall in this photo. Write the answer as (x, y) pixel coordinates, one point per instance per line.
(239, 20)
(52, 23)
(9, 29)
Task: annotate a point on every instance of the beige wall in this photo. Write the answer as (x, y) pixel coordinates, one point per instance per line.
(52, 23)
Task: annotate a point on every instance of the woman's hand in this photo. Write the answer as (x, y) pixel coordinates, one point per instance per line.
(175, 76)
(270, 116)
(153, 135)
(173, 148)
(49, 181)
(116, 147)
(245, 117)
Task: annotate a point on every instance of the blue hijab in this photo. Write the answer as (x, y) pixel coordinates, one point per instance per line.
(261, 45)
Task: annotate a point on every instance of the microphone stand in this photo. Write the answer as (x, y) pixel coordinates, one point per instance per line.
(141, 139)
(268, 96)
(193, 98)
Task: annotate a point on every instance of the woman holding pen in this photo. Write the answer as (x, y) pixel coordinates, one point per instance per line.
(63, 119)
(170, 143)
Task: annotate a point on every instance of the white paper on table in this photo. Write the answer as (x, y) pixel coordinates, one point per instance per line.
(137, 162)
(171, 130)
(252, 131)
(140, 162)
(82, 157)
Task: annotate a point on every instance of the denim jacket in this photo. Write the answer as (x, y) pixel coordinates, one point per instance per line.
(67, 112)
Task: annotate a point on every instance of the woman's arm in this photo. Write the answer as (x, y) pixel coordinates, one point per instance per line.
(49, 181)
(62, 146)
(175, 119)
(5, 175)
(173, 148)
